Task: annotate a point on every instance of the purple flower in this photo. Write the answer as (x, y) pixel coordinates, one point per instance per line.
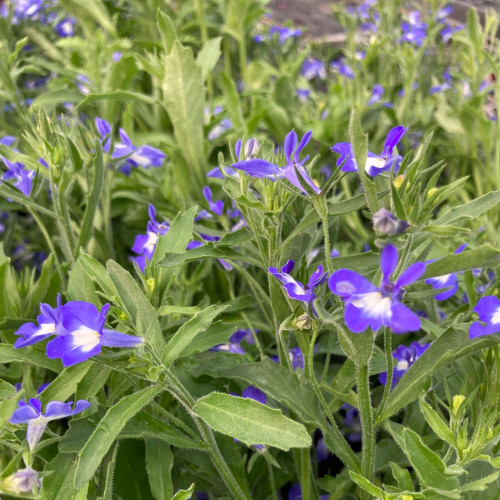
(353, 422)
(116, 56)
(124, 150)
(443, 13)
(31, 413)
(374, 164)
(250, 150)
(264, 169)
(368, 306)
(145, 244)
(82, 334)
(65, 27)
(488, 309)
(295, 289)
(23, 179)
(303, 94)
(448, 31)
(216, 207)
(216, 172)
(48, 325)
(234, 344)
(445, 281)
(342, 68)
(377, 93)
(284, 33)
(313, 68)
(295, 356)
(414, 31)
(405, 357)
(22, 481)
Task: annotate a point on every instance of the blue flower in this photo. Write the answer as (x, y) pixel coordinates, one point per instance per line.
(445, 281)
(368, 306)
(216, 207)
(353, 422)
(65, 27)
(405, 357)
(79, 330)
(448, 31)
(31, 413)
(265, 170)
(48, 325)
(342, 68)
(303, 94)
(234, 344)
(296, 357)
(377, 93)
(124, 150)
(145, 244)
(414, 31)
(488, 309)
(313, 68)
(295, 289)
(83, 334)
(17, 171)
(375, 164)
(284, 33)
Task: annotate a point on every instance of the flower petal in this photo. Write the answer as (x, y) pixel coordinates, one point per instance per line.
(110, 338)
(388, 262)
(413, 273)
(346, 283)
(403, 320)
(261, 169)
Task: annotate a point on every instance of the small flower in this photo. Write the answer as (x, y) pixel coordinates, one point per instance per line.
(295, 356)
(263, 169)
(368, 306)
(303, 94)
(313, 68)
(48, 325)
(387, 223)
(295, 289)
(83, 334)
(342, 68)
(65, 27)
(116, 56)
(405, 357)
(445, 281)
(377, 93)
(414, 31)
(145, 244)
(284, 33)
(31, 413)
(488, 309)
(375, 164)
(234, 344)
(22, 481)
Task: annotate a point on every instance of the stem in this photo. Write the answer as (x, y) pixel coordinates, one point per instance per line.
(326, 233)
(271, 481)
(305, 471)
(367, 426)
(182, 395)
(390, 367)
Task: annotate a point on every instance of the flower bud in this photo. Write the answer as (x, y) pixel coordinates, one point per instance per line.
(387, 223)
(398, 181)
(251, 148)
(303, 322)
(151, 284)
(457, 402)
(23, 481)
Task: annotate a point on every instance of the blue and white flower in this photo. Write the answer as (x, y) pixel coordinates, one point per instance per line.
(31, 413)
(405, 357)
(488, 310)
(368, 306)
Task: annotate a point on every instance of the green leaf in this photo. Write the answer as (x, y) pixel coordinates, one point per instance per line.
(356, 262)
(366, 485)
(209, 56)
(159, 462)
(98, 274)
(58, 481)
(436, 423)
(445, 230)
(184, 494)
(357, 346)
(186, 334)
(430, 469)
(65, 384)
(55, 97)
(31, 355)
(167, 31)
(137, 306)
(7, 408)
(480, 484)
(119, 95)
(251, 422)
(402, 476)
(472, 209)
(483, 256)
(216, 334)
(233, 104)
(453, 344)
(6, 390)
(184, 98)
(108, 429)
(208, 251)
(93, 199)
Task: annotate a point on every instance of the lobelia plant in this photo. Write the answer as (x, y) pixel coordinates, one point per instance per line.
(225, 320)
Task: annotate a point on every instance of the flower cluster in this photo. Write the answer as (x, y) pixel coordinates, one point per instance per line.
(79, 332)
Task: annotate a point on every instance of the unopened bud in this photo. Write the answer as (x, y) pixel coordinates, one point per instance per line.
(151, 284)
(387, 223)
(398, 181)
(431, 192)
(251, 148)
(23, 481)
(406, 497)
(303, 322)
(457, 402)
